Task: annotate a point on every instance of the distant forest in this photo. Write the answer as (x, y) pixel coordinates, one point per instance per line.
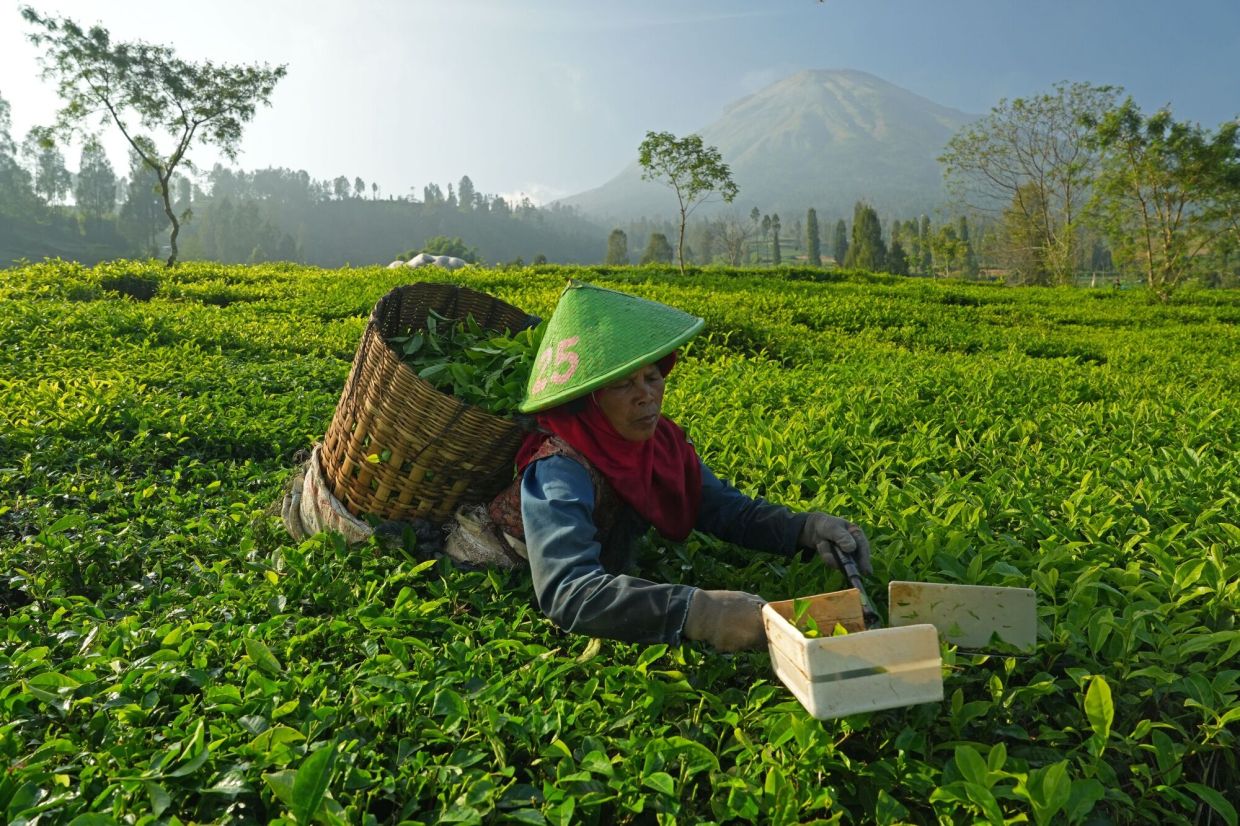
(236, 216)
(268, 215)
(97, 213)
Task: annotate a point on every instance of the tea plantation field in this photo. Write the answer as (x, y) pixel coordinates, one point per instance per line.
(168, 655)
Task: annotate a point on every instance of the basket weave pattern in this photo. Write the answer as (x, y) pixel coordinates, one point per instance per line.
(433, 451)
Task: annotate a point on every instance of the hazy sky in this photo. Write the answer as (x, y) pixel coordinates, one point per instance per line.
(550, 97)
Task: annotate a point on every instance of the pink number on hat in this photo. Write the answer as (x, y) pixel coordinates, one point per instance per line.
(563, 355)
(540, 369)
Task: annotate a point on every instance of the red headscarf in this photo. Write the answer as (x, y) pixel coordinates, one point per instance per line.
(660, 478)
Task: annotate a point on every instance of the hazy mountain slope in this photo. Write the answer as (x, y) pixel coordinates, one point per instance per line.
(824, 139)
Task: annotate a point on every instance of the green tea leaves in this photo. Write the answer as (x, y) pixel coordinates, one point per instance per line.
(160, 799)
(475, 365)
(1225, 809)
(193, 754)
(311, 781)
(1100, 711)
(166, 651)
(261, 656)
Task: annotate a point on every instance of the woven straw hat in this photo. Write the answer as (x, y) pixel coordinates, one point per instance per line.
(596, 336)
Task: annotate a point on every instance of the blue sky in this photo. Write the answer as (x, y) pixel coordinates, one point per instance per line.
(549, 97)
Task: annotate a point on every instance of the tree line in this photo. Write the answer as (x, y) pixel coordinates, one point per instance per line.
(910, 246)
(243, 216)
(1070, 181)
(1073, 180)
(97, 212)
(1067, 171)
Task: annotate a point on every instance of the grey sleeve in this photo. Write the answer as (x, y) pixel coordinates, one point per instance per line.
(732, 516)
(572, 588)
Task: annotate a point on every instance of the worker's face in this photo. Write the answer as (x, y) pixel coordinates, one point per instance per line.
(632, 404)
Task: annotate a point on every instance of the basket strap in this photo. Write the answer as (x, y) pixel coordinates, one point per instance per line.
(491, 306)
(505, 546)
(450, 312)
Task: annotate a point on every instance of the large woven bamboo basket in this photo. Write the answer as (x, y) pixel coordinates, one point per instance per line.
(397, 448)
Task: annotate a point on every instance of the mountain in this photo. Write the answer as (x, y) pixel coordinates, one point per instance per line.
(819, 138)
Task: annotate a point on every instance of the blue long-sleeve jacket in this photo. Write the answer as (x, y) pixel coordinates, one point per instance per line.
(581, 588)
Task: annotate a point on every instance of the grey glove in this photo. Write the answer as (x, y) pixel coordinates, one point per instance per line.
(727, 620)
(821, 531)
(290, 508)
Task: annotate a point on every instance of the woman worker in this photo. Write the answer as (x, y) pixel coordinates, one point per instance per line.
(604, 465)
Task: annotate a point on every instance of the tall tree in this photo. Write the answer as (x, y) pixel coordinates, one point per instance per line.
(95, 188)
(735, 233)
(1168, 192)
(948, 249)
(839, 244)
(968, 261)
(184, 188)
(52, 180)
(1024, 236)
(359, 187)
(911, 240)
(1033, 156)
(658, 250)
(813, 246)
(694, 171)
(925, 242)
(617, 248)
(340, 187)
(866, 250)
(7, 147)
(142, 217)
(465, 193)
(189, 102)
(17, 197)
(707, 238)
(897, 261)
(776, 257)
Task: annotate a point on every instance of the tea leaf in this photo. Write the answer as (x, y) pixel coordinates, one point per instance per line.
(1099, 709)
(160, 799)
(310, 782)
(971, 765)
(261, 656)
(1216, 801)
(661, 782)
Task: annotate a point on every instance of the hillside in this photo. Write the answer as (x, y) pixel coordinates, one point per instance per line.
(824, 138)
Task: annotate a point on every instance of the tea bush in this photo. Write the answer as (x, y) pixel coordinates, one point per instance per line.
(169, 655)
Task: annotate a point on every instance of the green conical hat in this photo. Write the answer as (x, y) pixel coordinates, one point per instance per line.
(596, 336)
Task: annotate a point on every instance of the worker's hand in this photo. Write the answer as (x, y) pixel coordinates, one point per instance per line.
(290, 508)
(727, 620)
(821, 531)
